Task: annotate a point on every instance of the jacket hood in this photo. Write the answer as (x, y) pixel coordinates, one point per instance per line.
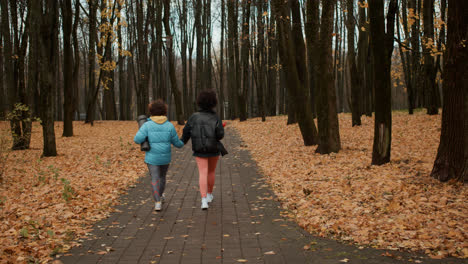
(159, 119)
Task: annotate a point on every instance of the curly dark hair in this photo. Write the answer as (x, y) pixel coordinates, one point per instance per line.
(157, 108)
(206, 100)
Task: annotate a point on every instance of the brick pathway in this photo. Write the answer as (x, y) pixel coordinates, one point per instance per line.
(243, 223)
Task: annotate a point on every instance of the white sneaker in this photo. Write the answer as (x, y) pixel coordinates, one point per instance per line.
(204, 204)
(209, 197)
(157, 206)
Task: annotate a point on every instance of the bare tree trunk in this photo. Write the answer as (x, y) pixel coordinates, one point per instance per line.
(430, 70)
(91, 105)
(355, 92)
(272, 69)
(329, 134)
(312, 39)
(221, 61)
(260, 58)
(76, 66)
(452, 155)
(291, 49)
(169, 41)
(382, 48)
(67, 16)
(48, 68)
(415, 57)
(123, 99)
(245, 46)
(199, 83)
(3, 94)
(208, 67)
(363, 52)
(143, 60)
(232, 58)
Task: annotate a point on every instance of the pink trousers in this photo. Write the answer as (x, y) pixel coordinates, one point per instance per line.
(206, 172)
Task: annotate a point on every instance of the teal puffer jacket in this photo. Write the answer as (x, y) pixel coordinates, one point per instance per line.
(160, 138)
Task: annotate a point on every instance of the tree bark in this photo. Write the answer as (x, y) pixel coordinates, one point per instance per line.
(288, 54)
(452, 155)
(232, 59)
(312, 27)
(199, 80)
(245, 46)
(327, 117)
(3, 95)
(430, 70)
(48, 44)
(362, 57)
(355, 84)
(260, 59)
(272, 69)
(221, 61)
(382, 48)
(172, 73)
(415, 57)
(123, 100)
(67, 16)
(76, 66)
(143, 60)
(91, 105)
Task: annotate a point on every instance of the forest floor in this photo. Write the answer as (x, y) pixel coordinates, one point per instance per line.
(47, 203)
(393, 206)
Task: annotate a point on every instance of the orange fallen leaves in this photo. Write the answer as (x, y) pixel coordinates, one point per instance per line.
(92, 170)
(394, 206)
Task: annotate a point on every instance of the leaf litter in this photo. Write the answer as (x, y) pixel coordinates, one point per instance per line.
(48, 203)
(393, 206)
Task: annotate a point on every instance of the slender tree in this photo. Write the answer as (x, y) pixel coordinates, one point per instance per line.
(90, 104)
(245, 47)
(452, 155)
(260, 58)
(3, 95)
(221, 59)
(290, 48)
(67, 27)
(382, 49)
(355, 84)
(169, 42)
(430, 71)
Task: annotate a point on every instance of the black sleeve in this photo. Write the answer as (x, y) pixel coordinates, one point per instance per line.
(219, 130)
(187, 131)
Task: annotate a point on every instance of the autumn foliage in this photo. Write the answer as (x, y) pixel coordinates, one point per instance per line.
(392, 206)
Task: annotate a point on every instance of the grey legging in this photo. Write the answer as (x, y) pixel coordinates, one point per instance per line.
(158, 179)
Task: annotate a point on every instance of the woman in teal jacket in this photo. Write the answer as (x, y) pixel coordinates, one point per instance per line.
(160, 134)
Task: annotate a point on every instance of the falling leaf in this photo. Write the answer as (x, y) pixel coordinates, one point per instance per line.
(242, 260)
(167, 238)
(269, 253)
(344, 260)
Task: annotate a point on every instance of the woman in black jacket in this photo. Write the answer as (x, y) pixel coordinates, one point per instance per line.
(206, 130)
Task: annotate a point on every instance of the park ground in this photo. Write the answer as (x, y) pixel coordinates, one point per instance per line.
(48, 203)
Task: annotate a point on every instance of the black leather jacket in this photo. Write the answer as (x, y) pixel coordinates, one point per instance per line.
(206, 130)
